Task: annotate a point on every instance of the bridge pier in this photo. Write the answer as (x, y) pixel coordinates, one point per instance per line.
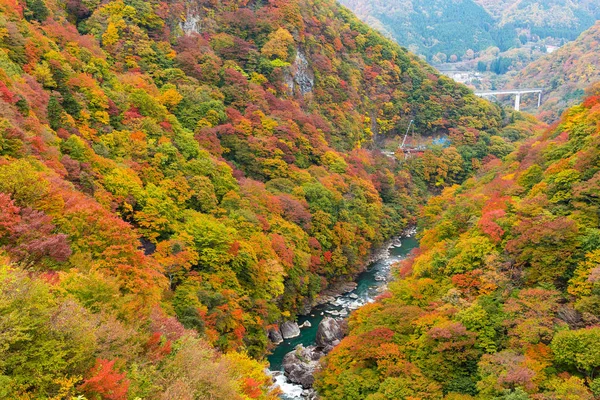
(517, 92)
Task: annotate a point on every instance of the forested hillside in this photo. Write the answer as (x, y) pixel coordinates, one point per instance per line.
(177, 177)
(501, 301)
(443, 30)
(561, 18)
(430, 27)
(564, 74)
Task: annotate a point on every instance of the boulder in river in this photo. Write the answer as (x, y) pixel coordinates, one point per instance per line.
(306, 324)
(309, 394)
(348, 287)
(325, 299)
(290, 329)
(275, 335)
(300, 364)
(329, 333)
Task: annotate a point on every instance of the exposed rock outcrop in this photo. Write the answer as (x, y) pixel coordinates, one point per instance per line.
(275, 335)
(306, 307)
(289, 329)
(570, 316)
(329, 295)
(303, 75)
(191, 23)
(300, 364)
(300, 79)
(329, 334)
(310, 394)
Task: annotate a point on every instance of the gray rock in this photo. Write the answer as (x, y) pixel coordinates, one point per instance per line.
(303, 75)
(570, 316)
(289, 329)
(325, 299)
(328, 349)
(191, 24)
(300, 364)
(349, 286)
(328, 332)
(275, 335)
(306, 308)
(306, 324)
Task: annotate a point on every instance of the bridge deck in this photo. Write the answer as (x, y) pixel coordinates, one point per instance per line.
(508, 91)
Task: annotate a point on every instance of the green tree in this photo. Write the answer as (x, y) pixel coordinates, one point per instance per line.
(578, 349)
(43, 336)
(36, 10)
(55, 113)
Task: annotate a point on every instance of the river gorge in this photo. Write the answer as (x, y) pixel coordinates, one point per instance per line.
(370, 283)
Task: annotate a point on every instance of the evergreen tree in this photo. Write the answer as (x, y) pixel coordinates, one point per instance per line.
(54, 112)
(36, 10)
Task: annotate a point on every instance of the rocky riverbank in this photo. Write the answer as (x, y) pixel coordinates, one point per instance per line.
(298, 357)
(300, 364)
(337, 289)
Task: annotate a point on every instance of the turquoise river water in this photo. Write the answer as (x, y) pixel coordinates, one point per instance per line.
(369, 286)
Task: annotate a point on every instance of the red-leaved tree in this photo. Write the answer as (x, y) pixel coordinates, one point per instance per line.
(105, 383)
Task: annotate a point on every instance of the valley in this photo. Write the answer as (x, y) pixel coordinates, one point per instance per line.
(370, 284)
(500, 45)
(189, 189)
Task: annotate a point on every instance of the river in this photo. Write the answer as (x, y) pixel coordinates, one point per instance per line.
(370, 283)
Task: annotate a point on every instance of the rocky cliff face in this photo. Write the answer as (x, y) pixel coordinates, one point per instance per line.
(301, 78)
(275, 335)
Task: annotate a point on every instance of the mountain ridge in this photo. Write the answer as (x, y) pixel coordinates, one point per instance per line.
(435, 27)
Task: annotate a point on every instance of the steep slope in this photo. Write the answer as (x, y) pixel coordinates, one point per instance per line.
(556, 17)
(177, 177)
(501, 300)
(563, 74)
(440, 29)
(431, 26)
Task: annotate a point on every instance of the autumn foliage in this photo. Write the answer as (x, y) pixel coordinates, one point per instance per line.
(176, 177)
(105, 383)
(501, 300)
